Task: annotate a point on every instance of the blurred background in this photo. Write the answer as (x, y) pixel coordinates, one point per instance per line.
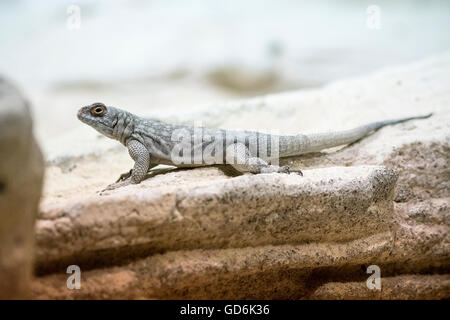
(165, 58)
(299, 42)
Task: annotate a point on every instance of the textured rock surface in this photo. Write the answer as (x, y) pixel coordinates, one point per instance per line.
(409, 287)
(265, 209)
(264, 272)
(284, 271)
(21, 173)
(200, 234)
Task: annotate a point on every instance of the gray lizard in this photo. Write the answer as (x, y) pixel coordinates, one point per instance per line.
(153, 142)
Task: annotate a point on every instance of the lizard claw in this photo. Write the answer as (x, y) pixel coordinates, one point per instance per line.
(125, 176)
(284, 169)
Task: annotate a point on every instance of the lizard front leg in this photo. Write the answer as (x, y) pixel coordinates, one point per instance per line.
(141, 157)
(129, 173)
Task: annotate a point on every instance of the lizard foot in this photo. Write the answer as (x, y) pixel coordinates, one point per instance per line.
(286, 169)
(125, 176)
(116, 185)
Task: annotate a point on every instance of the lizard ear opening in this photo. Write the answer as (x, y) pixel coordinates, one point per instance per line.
(98, 110)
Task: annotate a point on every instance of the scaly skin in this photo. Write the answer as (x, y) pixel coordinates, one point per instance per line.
(152, 142)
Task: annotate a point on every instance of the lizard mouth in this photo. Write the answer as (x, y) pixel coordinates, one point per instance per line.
(114, 123)
(80, 114)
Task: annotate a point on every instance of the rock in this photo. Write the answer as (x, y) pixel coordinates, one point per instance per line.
(200, 234)
(410, 287)
(21, 172)
(262, 272)
(266, 209)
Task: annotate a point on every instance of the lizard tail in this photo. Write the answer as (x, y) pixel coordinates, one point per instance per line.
(381, 124)
(302, 144)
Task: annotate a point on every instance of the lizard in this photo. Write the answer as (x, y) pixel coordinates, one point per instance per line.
(151, 142)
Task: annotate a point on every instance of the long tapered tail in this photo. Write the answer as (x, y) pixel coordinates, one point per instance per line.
(301, 144)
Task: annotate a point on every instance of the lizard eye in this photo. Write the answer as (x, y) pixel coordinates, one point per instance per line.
(98, 110)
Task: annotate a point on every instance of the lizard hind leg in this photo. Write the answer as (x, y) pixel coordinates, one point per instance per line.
(239, 157)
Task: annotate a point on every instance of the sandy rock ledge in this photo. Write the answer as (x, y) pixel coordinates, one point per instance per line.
(264, 209)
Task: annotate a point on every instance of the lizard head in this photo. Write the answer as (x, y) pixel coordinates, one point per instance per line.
(101, 118)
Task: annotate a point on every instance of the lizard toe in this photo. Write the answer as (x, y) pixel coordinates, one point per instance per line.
(287, 169)
(125, 176)
(284, 169)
